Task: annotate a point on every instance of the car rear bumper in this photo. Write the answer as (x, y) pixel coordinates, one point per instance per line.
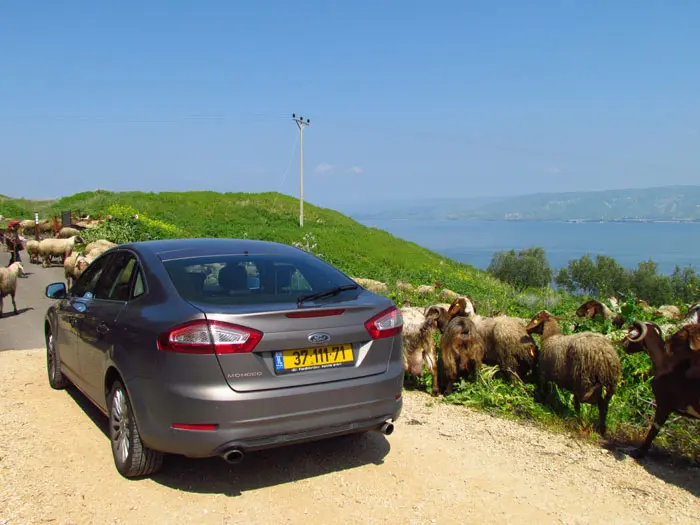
(265, 419)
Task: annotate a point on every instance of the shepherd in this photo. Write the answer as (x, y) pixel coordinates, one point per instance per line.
(14, 241)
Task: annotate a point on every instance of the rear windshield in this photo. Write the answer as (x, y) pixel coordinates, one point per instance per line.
(255, 279)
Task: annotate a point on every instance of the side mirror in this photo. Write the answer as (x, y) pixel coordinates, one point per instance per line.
(56, 291)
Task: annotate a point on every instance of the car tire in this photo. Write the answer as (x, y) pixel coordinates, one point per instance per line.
(57, 380)
(131, 457)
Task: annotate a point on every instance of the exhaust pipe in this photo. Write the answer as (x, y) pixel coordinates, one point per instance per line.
(387, 428)
(233, 456)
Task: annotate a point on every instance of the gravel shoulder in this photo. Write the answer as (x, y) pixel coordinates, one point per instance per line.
(442, 464)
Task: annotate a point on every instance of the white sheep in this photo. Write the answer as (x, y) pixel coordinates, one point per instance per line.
(66, 232)
(8, 283)
(100, 245)
(74, 266)
(32, 248)
(49, 248)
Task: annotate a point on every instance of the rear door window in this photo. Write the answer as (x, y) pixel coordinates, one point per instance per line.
(86, 284)
(253, 279)
(114, 283)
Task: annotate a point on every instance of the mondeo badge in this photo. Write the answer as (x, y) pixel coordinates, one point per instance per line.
(319, 337)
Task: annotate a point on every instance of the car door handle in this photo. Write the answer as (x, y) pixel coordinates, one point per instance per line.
(102, 328)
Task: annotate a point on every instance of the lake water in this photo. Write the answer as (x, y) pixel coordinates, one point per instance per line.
(474, 242)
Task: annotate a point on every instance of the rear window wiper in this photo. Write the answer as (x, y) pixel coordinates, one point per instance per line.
(327, 293)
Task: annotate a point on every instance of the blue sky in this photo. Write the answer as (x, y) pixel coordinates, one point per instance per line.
(407, 99)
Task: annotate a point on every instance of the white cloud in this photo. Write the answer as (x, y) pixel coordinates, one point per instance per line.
(357, 170)
(554, 170)
(324, 167)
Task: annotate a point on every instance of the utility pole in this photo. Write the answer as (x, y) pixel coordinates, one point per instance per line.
(301, 124)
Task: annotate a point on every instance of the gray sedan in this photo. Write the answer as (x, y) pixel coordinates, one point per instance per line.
(217, 347)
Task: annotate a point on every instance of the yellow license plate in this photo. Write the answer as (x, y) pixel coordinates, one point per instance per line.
(319, 358)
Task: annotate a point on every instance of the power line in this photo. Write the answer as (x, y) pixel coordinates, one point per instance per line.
(129, 120)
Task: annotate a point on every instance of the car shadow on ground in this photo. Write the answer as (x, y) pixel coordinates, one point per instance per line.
(668, 467)
(273, 467)
(97, 417)
(260, 469)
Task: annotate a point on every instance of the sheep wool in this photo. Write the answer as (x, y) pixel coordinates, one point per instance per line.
(8, 283)
(585, 363)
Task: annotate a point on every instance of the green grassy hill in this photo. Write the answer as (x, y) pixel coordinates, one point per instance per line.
(371, 253)
(355, 249)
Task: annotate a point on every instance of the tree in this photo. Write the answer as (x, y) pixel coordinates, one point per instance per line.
(524, 269)
(603, 278)
(685, 284)
(648, 285)
(611, 278)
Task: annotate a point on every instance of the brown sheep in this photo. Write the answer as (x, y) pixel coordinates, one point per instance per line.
(507, 342)
(595, 309)
(685, 344)
(461, 347)
(585, 363)
(674, 390)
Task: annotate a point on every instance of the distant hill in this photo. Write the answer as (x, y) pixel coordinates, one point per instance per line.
(668, 203)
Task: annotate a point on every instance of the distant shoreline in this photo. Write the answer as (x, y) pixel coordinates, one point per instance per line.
(562, 221)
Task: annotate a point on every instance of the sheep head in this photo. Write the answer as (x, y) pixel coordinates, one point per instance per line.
(80, 264)
(458, 307)
(536, 324)
(687, 337)
(637, 333)
(17, 268)
(590, 309)
(436, 317)
(471, 307)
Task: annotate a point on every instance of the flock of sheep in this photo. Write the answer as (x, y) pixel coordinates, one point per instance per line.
(584, 363)
(62, 247)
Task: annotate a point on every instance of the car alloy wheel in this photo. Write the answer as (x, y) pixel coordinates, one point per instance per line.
(131, 457)
(53, 365)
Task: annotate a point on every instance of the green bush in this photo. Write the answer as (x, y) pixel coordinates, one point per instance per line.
(525, 269)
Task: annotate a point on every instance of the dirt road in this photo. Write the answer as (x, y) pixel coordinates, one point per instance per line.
(441, 465)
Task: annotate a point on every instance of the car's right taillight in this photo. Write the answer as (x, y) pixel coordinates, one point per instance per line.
(385, 324)
(209, 337)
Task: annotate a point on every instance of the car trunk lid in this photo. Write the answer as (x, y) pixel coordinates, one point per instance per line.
(302, 346)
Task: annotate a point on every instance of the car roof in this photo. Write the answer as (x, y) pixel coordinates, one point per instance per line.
(169, 249)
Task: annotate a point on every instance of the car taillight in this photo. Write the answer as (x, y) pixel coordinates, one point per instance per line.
(385, 324)
(209, 337)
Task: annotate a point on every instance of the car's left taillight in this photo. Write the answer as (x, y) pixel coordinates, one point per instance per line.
(209, 337)
(385, 324)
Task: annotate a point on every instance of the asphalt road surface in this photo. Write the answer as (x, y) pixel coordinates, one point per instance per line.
(25, 329)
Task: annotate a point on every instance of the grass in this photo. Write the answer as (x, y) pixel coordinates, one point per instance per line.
(360, 251)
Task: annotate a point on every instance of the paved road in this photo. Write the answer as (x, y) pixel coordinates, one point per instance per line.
(25, 330)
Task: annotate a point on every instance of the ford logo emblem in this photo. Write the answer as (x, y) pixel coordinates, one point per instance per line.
(319, 337)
